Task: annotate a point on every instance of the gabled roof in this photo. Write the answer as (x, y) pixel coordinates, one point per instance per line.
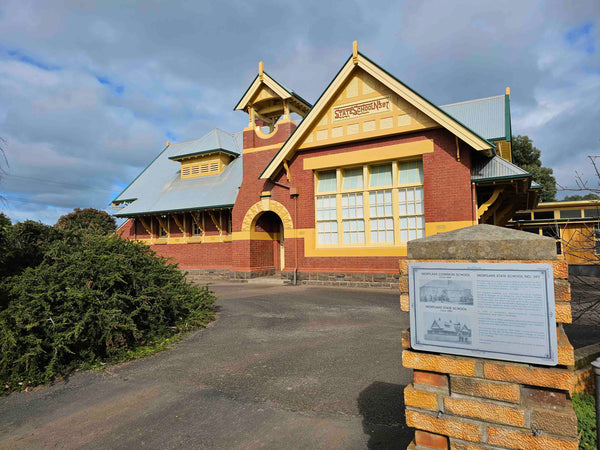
(422, 104)
(203, 152)
(279, 89)
(215, 140)
(489, 117)
(486, 169)
(159, 188)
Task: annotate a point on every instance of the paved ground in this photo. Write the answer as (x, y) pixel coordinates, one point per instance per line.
(282, 367)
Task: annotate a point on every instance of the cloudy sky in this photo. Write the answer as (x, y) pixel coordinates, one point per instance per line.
(91, 91)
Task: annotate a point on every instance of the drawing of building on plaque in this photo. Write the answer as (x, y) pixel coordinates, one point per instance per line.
(447, 291)
(449, 330)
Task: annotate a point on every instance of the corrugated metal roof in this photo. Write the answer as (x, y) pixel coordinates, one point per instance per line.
(159, 188)
(485, 116)
(495, 167)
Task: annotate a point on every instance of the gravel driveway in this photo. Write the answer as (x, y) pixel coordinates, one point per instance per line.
(282, 367)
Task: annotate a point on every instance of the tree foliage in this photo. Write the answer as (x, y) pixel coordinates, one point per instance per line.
(589, 196)
(82, 298)
(527, 157)
(87, 219)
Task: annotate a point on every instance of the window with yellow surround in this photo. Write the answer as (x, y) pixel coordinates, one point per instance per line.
(378, 204)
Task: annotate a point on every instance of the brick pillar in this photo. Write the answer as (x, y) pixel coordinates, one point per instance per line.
(461, 402)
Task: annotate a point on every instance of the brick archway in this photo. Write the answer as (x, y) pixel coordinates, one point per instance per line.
(267, 205)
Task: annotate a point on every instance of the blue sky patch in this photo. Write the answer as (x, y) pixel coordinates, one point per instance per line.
(114, 87)
(582, 37)
(27, 59)
(171, 136)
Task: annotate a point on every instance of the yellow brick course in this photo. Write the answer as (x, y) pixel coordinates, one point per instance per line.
(560, 422)
(505, 437)
(456, 444)
(403, 284)
(405, 338)
(445, 426)
(495, 390)
(563, 312)
(566, 354)
(562, 291)
(535, 376)
(420, 399)
(436, 363)
(404, 303)
(485, 411)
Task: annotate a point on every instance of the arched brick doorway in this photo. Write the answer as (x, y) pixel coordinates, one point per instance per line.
(270, 250)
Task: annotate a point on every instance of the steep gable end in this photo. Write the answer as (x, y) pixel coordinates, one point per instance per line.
(363, 108)
(329, 110)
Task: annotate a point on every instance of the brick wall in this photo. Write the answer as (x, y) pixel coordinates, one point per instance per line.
(462, 402)
(447, 198)
(194, 256)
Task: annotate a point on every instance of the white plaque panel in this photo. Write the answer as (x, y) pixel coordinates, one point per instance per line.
(497, 311)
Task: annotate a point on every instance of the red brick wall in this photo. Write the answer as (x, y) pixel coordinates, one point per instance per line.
(447, 185)
(447, 182)
(197, 256)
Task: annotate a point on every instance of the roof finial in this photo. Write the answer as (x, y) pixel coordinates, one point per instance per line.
(355, 52)
(507, 90)
(168, 143)
(261, 69)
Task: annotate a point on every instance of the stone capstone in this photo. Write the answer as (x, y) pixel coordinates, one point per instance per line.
(483, 242)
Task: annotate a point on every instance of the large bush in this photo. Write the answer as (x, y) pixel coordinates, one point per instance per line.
(91, 298)
(90, 219)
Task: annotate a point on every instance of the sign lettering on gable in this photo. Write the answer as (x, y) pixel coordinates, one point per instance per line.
(363, 108)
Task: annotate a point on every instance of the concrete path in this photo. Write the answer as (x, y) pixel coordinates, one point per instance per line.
(282, 367)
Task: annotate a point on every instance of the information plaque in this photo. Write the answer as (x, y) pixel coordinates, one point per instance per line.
(497, 311)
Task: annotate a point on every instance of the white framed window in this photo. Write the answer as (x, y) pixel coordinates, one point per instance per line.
(381, 216)
(327, 225)
(381, 175)
(373, 204)
(353, 223)
(411, 213)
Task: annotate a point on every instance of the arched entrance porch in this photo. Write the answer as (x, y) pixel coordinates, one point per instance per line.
(270, 248)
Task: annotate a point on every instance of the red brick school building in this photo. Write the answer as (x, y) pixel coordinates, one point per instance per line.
(371, 165)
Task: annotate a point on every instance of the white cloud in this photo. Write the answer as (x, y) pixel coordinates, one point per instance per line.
(124, 76)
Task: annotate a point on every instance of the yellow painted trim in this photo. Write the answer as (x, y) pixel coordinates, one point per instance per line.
(255, 87)
(262, 135)
(267, 205)
(146, 227)
(288, 176)
(485, 206)
(390, 152)
(400, 89)
(208, 239)
(254, 236)
(310, 249)
(432, 228)
(423, 105)
(365, 135)
(263, 148)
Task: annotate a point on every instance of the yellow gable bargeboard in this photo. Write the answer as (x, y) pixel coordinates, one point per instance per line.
(364, 108)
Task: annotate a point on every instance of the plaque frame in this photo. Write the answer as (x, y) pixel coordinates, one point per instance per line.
(459, 315)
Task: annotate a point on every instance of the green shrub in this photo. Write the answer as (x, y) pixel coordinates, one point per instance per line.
(89, 219)
(91, 298)
(585, 409)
